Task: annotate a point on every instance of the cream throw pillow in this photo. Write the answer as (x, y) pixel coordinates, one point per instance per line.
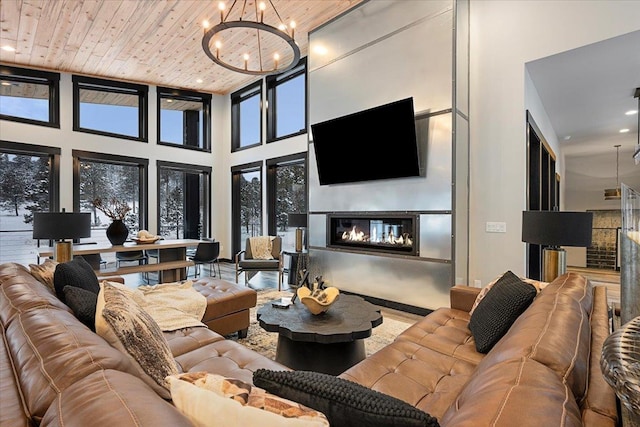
(124, 324)
(44, 272)
(210, 400)
(535, 283)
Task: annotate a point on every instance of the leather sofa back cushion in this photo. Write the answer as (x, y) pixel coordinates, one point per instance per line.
(554, 331)
(520, 389)
(20, 292)
(51, 350)
(111, 398)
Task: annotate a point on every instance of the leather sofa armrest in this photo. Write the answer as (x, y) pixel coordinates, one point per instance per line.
(462, 297)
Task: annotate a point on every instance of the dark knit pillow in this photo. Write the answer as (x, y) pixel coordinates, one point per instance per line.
(344, 403)
(83, 304)
(508, 298)
(76, 272)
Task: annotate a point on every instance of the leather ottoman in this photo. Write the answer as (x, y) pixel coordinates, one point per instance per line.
(227, 305)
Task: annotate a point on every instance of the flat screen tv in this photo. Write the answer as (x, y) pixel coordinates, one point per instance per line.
(378, 143)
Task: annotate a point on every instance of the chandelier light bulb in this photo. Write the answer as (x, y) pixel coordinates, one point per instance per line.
(276, 57)
(292, 24)
(221, 7)
(205, 24)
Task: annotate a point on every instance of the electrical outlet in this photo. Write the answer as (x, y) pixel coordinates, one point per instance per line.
(477, 283)
(496, 227)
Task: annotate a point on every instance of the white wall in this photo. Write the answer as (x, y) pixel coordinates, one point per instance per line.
(505, 35)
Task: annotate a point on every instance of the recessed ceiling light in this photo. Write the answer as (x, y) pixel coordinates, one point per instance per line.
(199, 81)
(624, 130)
(631, 112)
(568, 137)
(8, 48)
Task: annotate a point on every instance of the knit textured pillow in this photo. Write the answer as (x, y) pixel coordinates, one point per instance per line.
(497, 311)
(343, 402)
(83, 304)
(76, 272)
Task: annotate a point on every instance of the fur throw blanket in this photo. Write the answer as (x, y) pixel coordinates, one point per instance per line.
(261, 247)
(172, 305)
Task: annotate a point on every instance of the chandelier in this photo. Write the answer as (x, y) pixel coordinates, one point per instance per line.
(614, 193)
(245, 43)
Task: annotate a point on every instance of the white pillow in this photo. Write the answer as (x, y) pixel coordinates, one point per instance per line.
(210, 400)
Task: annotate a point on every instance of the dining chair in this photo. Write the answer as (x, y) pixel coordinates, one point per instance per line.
(206, 253)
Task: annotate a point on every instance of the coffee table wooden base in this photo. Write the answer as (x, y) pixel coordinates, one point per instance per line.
(330, 359)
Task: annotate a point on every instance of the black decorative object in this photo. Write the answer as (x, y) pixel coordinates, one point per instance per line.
(117, 232)
(554, 229)
(76, 272)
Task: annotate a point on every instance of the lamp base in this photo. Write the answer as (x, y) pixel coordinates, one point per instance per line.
(298, 239)
(63, 251)
(554, 263)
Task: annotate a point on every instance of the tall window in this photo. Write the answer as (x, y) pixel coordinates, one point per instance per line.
(287, 103)
(246, 117)
(184, 118)
(111, 108)
(184, 209)
(30, 96)
(287, 193)
(109, 177)
(247, 203)
(29, 176)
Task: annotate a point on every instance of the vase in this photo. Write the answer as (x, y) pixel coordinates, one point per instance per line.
(117, 232)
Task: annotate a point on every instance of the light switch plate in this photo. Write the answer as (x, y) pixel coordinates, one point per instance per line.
(496, 227)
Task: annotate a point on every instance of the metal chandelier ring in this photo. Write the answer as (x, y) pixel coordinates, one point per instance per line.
(208, 35)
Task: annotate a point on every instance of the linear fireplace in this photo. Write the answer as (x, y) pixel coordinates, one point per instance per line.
(390, 233)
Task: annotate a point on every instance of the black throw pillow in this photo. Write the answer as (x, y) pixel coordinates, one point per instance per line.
(344, 403)
(83, 304)
(76, 272)
(508, 298)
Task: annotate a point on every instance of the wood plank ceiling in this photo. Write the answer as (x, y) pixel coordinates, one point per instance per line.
(155, 42)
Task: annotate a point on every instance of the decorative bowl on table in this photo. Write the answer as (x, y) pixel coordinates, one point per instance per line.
(318, 301)
(144, 237)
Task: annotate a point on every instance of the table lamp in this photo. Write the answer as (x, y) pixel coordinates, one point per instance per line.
(60, 226)
(554, 229)
(298, 220)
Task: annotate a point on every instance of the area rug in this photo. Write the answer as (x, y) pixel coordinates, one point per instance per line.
(265, 342)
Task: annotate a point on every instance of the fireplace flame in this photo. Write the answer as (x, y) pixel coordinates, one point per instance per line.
(353, 235)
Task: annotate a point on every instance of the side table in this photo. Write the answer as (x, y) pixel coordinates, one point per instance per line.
(298, 261)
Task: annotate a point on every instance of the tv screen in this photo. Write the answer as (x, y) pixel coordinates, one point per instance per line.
(378, 143)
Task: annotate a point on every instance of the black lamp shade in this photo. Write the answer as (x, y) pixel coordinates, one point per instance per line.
(554, 228)
(297, 220)
(61, 225)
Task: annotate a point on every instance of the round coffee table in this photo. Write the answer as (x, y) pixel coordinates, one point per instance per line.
(330, 343)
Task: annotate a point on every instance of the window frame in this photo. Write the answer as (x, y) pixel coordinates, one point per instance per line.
(187, 168)
(237, 98)
(272, 167)
(143, 172)
(112, 86)
(186, 95)
(52, 80)
(272, 83)
(236, 171)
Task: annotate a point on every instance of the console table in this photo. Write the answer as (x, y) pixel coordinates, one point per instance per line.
(172, 258)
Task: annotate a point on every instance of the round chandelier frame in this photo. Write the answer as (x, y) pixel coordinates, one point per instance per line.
(258, 26)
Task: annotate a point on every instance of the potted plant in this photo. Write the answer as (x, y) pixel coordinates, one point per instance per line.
(116, 210)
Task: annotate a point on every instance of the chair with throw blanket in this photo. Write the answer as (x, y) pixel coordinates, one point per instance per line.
(262, 253)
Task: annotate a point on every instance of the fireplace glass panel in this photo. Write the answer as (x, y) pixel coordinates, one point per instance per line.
(386, 234)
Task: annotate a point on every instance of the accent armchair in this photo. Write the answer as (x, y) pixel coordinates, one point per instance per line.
(256, 257)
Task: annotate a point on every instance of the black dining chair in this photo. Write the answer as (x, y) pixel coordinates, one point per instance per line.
(206, 253)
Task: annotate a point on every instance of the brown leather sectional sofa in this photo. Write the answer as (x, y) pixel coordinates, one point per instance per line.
(54, 371)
